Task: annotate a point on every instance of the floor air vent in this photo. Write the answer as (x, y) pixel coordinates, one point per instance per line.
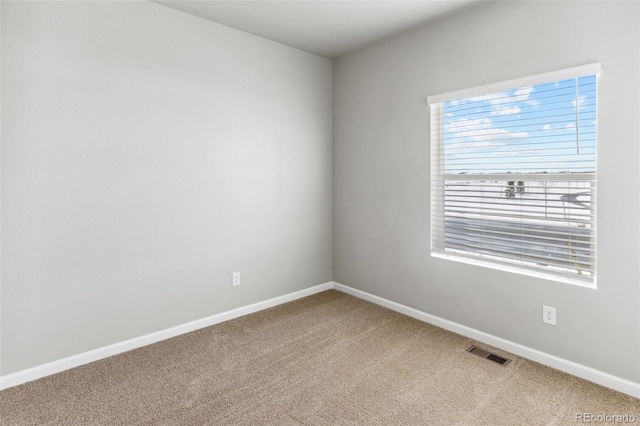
(488, 355)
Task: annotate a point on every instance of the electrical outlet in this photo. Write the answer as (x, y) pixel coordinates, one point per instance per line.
(236, 279)
(549, 315)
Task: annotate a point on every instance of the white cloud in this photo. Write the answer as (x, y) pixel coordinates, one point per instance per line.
(581, 102)
(505, 110)
(506, 102)
(464, 127)
(480, 129)
(523, 94)
(547, 127)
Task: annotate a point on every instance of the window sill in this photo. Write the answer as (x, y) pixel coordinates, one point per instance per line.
(515, 269)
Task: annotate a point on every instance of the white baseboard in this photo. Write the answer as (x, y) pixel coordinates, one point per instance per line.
(605, 379)
(570, 367)
(24, 376)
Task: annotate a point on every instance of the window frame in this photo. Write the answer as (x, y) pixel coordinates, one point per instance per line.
(439, 177)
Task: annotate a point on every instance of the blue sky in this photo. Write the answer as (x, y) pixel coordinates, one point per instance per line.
(524, 130)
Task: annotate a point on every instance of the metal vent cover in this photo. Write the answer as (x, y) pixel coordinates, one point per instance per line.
(488, 355)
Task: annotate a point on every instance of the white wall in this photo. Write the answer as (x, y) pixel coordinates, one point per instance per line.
(146, 155)
(381, 174)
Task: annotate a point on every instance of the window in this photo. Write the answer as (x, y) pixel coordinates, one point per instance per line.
(513, 175)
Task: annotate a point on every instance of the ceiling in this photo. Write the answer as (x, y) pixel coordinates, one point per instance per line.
(327, 28)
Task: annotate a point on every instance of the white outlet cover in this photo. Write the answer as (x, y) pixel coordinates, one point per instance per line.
(549, 315)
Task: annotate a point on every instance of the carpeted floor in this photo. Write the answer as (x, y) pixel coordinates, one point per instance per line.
(324, 360)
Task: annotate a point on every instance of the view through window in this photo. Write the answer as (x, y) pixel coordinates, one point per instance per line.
(514, 177)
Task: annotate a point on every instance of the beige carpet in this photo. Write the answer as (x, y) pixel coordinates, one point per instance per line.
(323, 360)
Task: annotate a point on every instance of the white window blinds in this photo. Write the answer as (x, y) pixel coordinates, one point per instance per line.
(513, 175)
